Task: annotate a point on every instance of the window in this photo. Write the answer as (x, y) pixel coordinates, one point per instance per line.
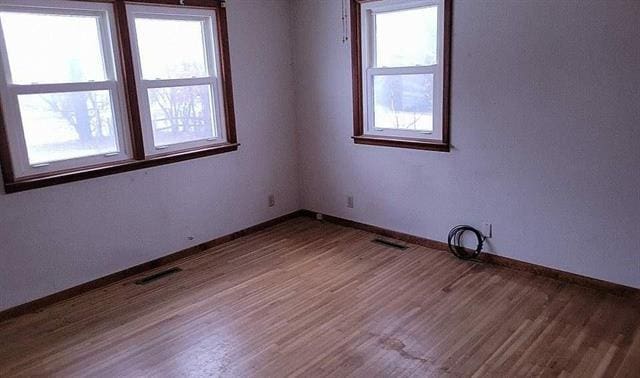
(177, 75)
(61, 93)
(89, 88)
(401, 57)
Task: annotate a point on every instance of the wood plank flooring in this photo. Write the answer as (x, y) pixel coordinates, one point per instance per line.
(306, 298)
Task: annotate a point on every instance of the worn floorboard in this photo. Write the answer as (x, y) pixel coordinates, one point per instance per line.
(306, 298)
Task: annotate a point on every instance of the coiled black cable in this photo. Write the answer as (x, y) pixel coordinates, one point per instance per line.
(455, 238)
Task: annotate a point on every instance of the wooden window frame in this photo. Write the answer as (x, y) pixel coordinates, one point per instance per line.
(359, 134)
(138, 158)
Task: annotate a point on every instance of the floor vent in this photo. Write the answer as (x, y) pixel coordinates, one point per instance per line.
(389, 243)
(157, 276)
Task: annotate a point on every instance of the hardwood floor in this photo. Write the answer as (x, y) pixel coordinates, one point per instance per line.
(306, 298)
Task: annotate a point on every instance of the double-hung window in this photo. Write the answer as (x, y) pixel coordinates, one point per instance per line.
(401, 64)
(62, 95)
(179, 90)
(95, 87)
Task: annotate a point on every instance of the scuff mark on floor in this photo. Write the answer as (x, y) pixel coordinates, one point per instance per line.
(391, 343)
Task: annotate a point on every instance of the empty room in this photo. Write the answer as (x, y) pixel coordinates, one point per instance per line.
(320, 188)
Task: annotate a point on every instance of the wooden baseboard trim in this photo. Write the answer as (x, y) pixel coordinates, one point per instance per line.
(609, 287)
(37, 304)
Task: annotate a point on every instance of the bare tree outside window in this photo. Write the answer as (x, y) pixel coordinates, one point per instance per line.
(404, 102)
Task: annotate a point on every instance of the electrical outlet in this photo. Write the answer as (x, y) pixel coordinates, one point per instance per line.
(350, 202)
(272, 200)
(487, 229)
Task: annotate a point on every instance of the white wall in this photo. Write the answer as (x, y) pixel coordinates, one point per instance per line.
(546, 117)
(545, 123)
(58, 237)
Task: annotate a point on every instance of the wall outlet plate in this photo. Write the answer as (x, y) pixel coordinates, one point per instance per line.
(350, 202)
(487, 230)
(272, 200)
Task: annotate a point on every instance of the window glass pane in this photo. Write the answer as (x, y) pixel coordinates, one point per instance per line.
(171, 49)
(403, 102)
(61, 126)
(46, 48)
(181, 114)
(407, 37)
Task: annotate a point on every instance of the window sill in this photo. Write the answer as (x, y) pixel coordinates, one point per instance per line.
(113, 168)
(400, 142)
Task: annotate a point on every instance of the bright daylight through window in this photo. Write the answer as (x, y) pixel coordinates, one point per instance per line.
(60, 86)
(400, 73)
(66, 106)
(177, 85)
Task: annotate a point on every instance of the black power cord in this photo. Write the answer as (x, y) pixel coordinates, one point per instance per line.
(455, 238)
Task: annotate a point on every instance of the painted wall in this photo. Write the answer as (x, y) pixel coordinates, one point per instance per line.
(58, 237)
(546, 128)
(545, 124)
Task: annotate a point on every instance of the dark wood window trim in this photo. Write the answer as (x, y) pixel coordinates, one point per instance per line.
(138, 161)
(359, 136)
